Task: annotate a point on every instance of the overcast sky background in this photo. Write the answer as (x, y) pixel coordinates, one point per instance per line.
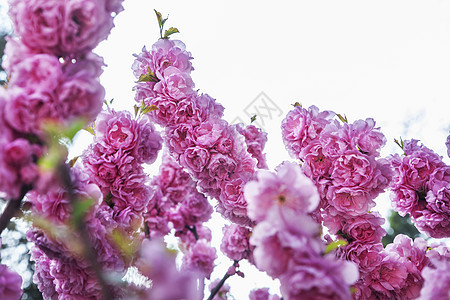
(389, 60)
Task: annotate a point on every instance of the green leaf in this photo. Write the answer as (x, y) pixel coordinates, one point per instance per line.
(334, 245)
(146, 109)
(148, 77)
(159, 17)
(136, 110)
(342, 118)
(399, 143)
(170, 31)
(79, 210)
(73, 129)
(73, 161)
(253, 119)
(90, 129)
(50, 161)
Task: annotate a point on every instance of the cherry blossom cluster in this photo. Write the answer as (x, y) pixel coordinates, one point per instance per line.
(342, 160)
(421, 188)
(212, 151)
(157, 263)
(10, 282)
(178, 205)
(287, 239)
(53, 76)
(111, 173)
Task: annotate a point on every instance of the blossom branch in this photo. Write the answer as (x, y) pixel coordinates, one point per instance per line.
(12, 208)
(231, 271)
(193, 229)
(64, 172)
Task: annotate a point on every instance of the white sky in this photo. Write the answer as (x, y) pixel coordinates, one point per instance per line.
(383, 59)
(389, 60)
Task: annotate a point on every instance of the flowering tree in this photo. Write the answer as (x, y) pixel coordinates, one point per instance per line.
(309, 223)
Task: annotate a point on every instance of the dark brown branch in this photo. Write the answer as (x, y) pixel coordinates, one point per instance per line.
(216, 289)
(12, 207)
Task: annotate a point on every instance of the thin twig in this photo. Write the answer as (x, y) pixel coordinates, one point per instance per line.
(12, 207)
(216, 289)
(193, 229)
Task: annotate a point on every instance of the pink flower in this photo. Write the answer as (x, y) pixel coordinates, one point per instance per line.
(175, 84)
(282, 237)
(367, 256)
(200, 258)
(434, 224)
(319, 278)
(195, 159)
(259, 294)
(42, 276)
(385, 279)
(438, 198)
(39, 72)
(86, 23)
(38, 22)
(28, 110)
(413, 256)
(150, 142)
(289, 189)
(180, 138)
(80, 93)
(195, 208)
(354, 169)
(351, 201)
(197, 109)
(365, 228)
(301, 126)
(117, 130)
(255, 139)
(437, 281)
(10, 284)
(235, 242)
(221, 166)
(363, 136)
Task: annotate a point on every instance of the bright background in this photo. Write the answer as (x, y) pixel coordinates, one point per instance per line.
(388, 60)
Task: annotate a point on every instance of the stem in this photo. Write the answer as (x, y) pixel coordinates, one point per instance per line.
(193, 229)
(216, 289)
(12, 207)
(89, 253)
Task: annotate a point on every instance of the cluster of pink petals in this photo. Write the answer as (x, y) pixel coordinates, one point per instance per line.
(63, 28)
(255, 139)
(436, 275)
(287, 239)
(421, 188)
(114, 162)
(10, 283)
(215, 153)
(395, 272)
(262, 294)
(235, 242)
(178, 205)
(111, 173)
(158, 264)
(53, 76)
(342, 159)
